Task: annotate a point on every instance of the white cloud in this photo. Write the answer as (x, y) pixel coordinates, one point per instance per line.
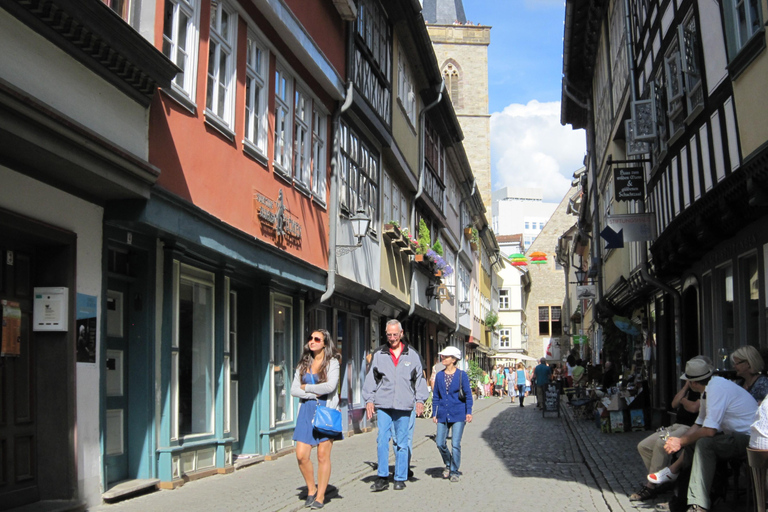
(530, 148)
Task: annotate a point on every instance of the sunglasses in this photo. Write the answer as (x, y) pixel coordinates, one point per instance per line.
(316, 338)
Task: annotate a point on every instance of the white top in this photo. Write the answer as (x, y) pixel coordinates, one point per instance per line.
(758, 433)
(726, 407)
(570, 370)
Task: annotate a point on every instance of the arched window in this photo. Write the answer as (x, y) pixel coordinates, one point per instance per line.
(452, 77)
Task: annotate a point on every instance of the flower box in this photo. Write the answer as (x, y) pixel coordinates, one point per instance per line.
(401, 242)
(473, 245)
(418, 257)
(408, 249)
(392, 231)
(468, 233)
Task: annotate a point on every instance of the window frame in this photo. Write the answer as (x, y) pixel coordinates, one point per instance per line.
(356, 160)
(283, 94)
(185, 93)
(221, 112)
(741, 52)
(406, 91)
(287, 366)
(183, 272)
(303, 111)
(505, 304)
(318, 163)
(255, 130)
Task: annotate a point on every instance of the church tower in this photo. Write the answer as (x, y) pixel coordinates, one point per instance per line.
(461, 47)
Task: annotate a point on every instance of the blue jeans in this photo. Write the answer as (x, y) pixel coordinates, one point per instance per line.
(452, 458)
(411, 427)
(393, 421)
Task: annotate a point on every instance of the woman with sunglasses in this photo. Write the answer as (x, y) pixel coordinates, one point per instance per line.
(315, 382)
(451, 410)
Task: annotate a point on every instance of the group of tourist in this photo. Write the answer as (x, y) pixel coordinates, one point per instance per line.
(395, 390)
(716, 419)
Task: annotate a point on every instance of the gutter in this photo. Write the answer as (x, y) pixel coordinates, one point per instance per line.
(420, 191)
(333, 212)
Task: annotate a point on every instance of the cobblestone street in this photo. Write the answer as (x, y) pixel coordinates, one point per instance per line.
(512, 459)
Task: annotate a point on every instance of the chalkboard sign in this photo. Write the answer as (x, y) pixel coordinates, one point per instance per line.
(551, 399)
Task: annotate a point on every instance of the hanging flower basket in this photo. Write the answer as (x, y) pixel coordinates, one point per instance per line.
(468, 233)
(473, 245)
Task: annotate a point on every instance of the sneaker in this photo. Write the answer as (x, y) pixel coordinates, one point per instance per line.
(446, 473)
(399, 486)
(662, 477)
(379, 485)
(316, 505)
(454, 478)
(310, 500)
(645, 493)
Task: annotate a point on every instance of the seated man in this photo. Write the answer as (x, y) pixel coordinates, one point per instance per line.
(720, 432)
(686, 404)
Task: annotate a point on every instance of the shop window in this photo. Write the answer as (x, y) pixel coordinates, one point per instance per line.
(750, 293)
(724, 310)
(281, 360)
(192, 351)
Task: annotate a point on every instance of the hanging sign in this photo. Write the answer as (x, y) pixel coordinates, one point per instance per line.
(277, 217)
(585, 292)
(629, 183)
(11, 344)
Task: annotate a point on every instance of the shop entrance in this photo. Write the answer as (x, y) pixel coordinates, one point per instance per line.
(18, 422)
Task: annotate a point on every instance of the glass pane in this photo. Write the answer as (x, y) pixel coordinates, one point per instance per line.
(727, 309)
(281, 363)
(751, 294)
(225, 25)
(195, 333)
(168, 20)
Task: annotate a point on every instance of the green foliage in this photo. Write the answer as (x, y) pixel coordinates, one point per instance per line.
(491, 319)
(394, 223)
(438, 247)
(475, 236)
(475, 373)
(424, 238)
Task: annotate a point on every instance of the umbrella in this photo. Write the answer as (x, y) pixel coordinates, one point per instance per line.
(625, 325)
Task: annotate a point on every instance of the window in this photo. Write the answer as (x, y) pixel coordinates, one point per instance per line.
(121, 7)
(180, 43)
(229, 365)
(302, 122)
(283, 88)
(527, 225)
(371, 64)
(550, 323)
(281, 360)
(221, 64)
(434, 157)
(750, 298)
(452, 82)
(503, 299)
(406, 92)
(318, 163)
(394, 202)
(689, 63)
(504, 337)
(359, 173)
(541, 225)
(256, 63)
(743, 23)
(192, 352)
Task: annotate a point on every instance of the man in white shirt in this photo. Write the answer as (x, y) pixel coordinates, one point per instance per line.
(720, 432)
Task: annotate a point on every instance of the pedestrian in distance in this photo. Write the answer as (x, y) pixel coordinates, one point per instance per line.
(542, 374)
(521, 377)
(451, 410)
(394, 386)
(315, 382)
(499, 383)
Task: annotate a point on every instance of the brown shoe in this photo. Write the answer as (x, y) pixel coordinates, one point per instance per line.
(645, 493)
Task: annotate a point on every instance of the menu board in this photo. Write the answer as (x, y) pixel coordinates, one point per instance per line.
(551, 398)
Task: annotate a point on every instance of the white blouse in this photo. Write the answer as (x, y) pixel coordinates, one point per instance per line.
(758, 432)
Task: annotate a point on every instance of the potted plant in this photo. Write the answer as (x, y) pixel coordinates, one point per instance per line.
(440, 264)
(491, 319)
(410, 244)
(424, 241)
(438, 247)
(392, 229)
(475, 239)
(468, 232)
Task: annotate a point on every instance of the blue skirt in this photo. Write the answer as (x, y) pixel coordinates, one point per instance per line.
(304, 433)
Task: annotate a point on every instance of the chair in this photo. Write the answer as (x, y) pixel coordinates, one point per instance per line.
(758, 462)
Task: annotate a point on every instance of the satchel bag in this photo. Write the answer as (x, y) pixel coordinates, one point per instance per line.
(462, 395)
(327, 421)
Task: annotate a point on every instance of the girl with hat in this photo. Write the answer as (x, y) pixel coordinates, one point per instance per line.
(451, 410)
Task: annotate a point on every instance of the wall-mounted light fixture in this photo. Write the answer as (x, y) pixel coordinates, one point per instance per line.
(360, 223)
(464, 307)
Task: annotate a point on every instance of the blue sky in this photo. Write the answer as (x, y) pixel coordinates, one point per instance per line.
(529, 147)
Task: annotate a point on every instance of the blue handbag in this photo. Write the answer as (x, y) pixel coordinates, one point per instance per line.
(327, 421)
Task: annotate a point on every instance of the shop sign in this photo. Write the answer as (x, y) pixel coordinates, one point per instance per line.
(585, 292)
(580, 339)
(628, 183)
(274, 214)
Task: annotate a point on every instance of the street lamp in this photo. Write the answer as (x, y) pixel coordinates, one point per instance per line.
(580, 275)
(360, 223)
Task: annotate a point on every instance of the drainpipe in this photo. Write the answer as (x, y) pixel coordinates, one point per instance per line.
(422, 116)
(333, 211)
